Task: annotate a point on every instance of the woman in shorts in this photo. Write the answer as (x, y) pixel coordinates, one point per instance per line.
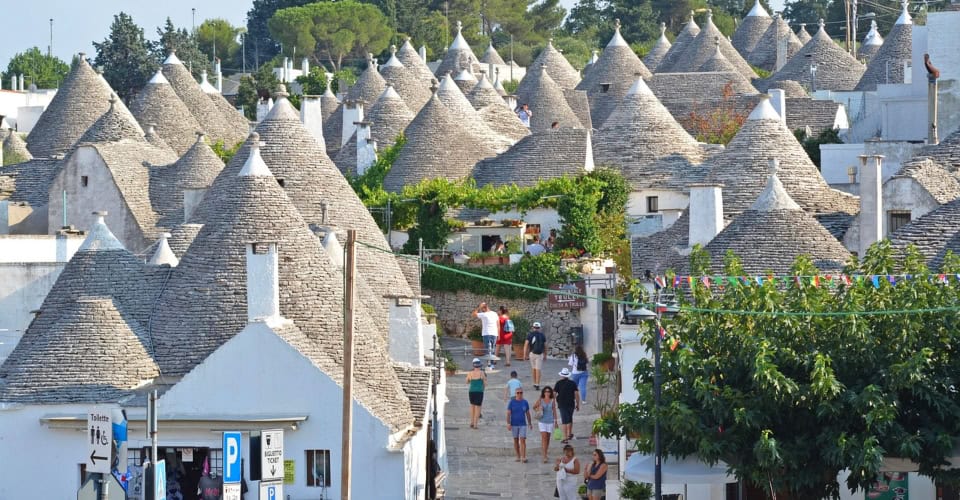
(596, 476)
(546, 408)
(476, 382)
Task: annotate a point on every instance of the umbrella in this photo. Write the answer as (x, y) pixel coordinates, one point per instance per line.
(689, 470)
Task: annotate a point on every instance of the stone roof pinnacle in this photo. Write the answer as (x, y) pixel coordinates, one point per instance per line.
(255, 166)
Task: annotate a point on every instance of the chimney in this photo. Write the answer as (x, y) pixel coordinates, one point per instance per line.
(932, 88)
(219, 77)
(778, 99)
(13, 82)
(352, 113)
(871, 202)
(588, 165)
(423, 53)
(305, 66)
(263, 283)
(852, 174)
(21, 83)
(263, 108)
(163, 254)
(366, 148)
(284, 76)
(511, 101)
(312, 117)
(706, 213)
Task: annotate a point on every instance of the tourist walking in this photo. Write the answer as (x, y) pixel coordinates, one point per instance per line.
(476, 382)
(578, 371)
(595, 475)
(546, 410)
(505, 339)
(568, 400)
(513, 385)
(568, 474)
(490, 327)
(535, 349)
(518, 421)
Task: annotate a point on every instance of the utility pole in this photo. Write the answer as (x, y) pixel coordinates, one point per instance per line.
(50, 47)
(349, 292)
(846, 35)
(193, 15)
(853, 30)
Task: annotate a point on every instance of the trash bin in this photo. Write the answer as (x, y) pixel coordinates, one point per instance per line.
(577, 334)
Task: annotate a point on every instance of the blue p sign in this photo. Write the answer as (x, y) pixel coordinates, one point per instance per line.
(271, 493)
(231, 457)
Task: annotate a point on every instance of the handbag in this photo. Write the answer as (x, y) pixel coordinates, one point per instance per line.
(558, 433)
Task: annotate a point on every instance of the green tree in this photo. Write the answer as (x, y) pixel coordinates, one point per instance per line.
(125, 57)
(38, 68)
(217, 38)
(262, 84)
(261, 45)
(331, 31)
(790, 383)
(314, 82)
(185, 45)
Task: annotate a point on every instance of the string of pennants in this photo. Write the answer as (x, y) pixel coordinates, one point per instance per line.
(828, 280)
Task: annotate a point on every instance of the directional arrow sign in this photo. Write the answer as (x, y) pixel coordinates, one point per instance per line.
(99, 437)
(271, 452)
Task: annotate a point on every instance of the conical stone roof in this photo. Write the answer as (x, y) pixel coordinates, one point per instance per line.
(82, 98)
(886, 66)
(465, 81)
(504, 121)
(548, 154)
(611, 76)
(703, 46)
(411, 60)
(199, 166)
(451, 97)
(437, 146)
(237, 125)
(100, 267)
(316, 187)
(658, 51)
(483, 94)
(836, 69)
(547, 102)
(14, 147)
(58, 370)
(491, 56)
(933, 235)
(459, 56)
(150, 134)
(204, 111)
(157, 104)
(204, 303)
(557, 66)
(803, 35)
(764, 55)
(772, 233)
(414, 91)
(742, 168)
(643, 140)
(328, 104)
(717, 63)
(871, 43)
(181, 237)
(388, 117)
(369, 86)
(790, 88)
(687, 35)
(115, 125)
(751, 30)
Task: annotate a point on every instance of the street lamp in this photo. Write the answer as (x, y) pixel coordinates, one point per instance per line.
(660, 311)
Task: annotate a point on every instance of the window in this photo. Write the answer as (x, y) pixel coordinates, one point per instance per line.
(318, 468)
(653, 204)
(604, 88)
(281, 182)
(897, 220)
(84, 180)
(216, 461)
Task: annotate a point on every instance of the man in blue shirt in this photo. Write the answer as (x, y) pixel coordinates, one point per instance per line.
(518, 420)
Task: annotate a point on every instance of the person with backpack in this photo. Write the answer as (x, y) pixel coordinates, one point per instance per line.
(535, 349)
(578, 370)
(506, 334)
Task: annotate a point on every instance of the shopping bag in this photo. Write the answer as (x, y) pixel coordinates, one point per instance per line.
(558, 433)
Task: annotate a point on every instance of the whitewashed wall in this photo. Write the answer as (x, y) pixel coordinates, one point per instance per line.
(406, 337)
(23, 286)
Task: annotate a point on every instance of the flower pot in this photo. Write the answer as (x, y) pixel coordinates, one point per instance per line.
(517, 349)
(478, 348)
(451, 373)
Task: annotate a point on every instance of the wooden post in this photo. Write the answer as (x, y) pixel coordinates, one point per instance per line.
(349, 292)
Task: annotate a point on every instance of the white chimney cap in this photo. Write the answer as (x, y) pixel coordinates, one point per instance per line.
(172, 59)
(100, 237)
(617, 39)
(639, 88)
(758, 11)
(255, 166)
(764, 110)
(333, 248)
(459, 42)
(774, 196)
(205, 84)
(393, 61)
(158, 79)
(904, 14)
(390, 93)
(163, 254)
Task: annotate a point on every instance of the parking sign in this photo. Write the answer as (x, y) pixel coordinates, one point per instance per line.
(231, 457)
(271, 491)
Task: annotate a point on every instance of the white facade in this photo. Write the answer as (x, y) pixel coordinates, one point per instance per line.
(837, 159)
(670, 204)
(21, 110)
(406, 332)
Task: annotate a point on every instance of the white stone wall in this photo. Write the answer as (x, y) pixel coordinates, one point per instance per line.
(100, 193)
(406, 335)
(671, 204)
(836, 158)
(23, 286)
(38, 248)
(945, 55)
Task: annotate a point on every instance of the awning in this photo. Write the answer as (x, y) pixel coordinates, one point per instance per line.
(689, 470)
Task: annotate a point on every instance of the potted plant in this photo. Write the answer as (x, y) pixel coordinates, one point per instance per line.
(631, 490)
(582, 491)
(429, 312)
(606, 392)
(449, 364)
(604, 359)
(521, 326)
(476, 340)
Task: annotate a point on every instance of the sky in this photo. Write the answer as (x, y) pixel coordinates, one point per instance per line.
(76, 24)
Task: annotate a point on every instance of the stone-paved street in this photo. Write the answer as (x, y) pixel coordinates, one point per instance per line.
(481, 461)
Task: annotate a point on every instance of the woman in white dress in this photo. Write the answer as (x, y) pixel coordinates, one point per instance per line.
(568, 474)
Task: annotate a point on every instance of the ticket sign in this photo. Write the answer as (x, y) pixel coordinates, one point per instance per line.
(271, 455)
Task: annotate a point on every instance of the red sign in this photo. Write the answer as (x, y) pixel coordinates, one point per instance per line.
(568, 296)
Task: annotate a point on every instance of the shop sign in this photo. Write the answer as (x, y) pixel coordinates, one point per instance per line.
(562, 299)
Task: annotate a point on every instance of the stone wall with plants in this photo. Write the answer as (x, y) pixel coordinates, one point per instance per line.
(454, 317)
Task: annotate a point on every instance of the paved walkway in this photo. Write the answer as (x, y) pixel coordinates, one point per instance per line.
(481, 461)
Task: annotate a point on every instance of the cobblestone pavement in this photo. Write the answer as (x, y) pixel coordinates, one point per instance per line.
(481, 461)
